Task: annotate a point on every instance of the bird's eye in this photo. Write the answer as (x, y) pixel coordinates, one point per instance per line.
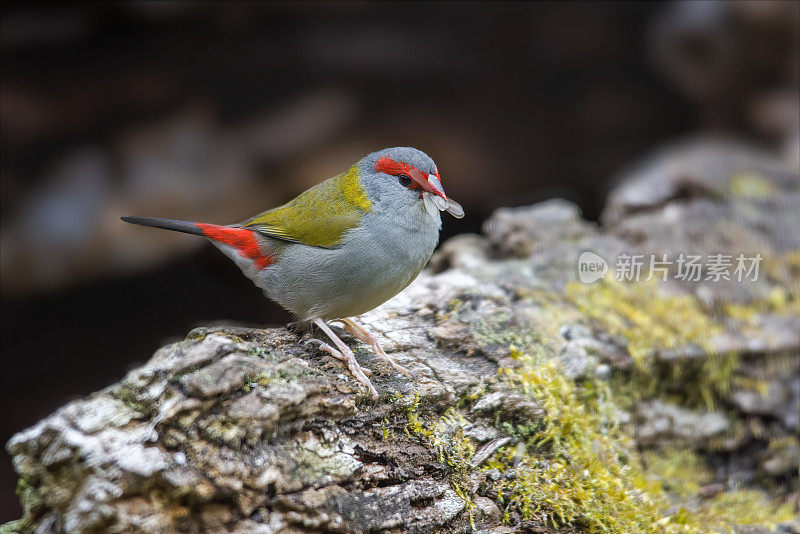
(404, 180)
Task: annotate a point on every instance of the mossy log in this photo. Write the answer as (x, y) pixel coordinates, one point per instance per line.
(538, 403)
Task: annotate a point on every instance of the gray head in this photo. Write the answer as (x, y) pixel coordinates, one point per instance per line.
(404, 178)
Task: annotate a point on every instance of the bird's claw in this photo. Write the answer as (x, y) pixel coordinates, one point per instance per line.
(339, 356)
(380, 352)
(367, 337)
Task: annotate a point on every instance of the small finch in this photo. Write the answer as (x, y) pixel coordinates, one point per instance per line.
(342, 247)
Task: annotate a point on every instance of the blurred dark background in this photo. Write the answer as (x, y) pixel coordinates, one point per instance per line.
(215, 111)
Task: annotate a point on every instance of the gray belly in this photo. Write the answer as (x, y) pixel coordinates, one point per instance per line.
(367, 270)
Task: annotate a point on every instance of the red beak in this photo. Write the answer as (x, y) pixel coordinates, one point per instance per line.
(428, 182)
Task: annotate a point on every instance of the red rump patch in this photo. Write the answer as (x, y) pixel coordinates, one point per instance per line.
(241, 239)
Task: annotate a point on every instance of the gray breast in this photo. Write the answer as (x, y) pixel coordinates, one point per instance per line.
(375, 262)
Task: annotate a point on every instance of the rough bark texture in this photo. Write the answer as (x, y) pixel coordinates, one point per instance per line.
(250, 430)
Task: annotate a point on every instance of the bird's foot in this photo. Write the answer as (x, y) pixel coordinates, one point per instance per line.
(380, 352)
(336, 354)
(345, 354)
(367, 337)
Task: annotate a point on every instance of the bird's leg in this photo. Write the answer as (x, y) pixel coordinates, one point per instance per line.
(335, 353)
(347, 356)
(367, 337)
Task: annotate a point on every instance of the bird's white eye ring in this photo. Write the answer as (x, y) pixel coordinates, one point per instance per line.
(405, 180)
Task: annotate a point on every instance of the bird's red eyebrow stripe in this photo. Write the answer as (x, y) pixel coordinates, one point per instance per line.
(389, 166)
(243, 240)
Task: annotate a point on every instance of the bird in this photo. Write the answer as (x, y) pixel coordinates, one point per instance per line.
(342, 247)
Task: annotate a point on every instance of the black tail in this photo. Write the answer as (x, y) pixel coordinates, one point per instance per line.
(168, 224)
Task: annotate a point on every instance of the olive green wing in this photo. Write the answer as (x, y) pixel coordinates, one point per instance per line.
(318, 217)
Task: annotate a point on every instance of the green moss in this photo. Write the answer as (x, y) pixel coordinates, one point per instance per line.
(474, 394)
(535, 330)
(446, 436)
(650, 322)
(224, 431)
(261, 379)
(578, 467)
(782, 274)
(646, 319)
(28, 494)
(265, 379)
(746, 507)
(454, 305)
(500, 331)
(18, 525)
(711, 381)
(198, 334)
(257, 352)
(315, 460)
(751, 186)
(201, 332)
(681, 471)
(386, 432)
(131, 398)
(780, 301)
(695, 383)
(31, 500)
(784, 271)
